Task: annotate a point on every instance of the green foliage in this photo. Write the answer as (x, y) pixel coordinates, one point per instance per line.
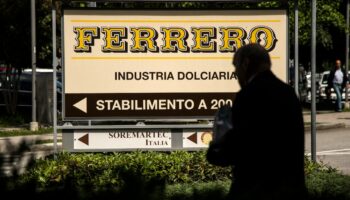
(269, 4)
(176, 175)
(198, 190)
(328, 185)
(15, 33)
(23, 132)
(325, 182)
(106, 170)
(44, 33)
(6, 121)
(311, 167)
(15, 21)
(329, 18)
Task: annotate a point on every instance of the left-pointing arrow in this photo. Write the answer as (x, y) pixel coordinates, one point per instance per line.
(82, 105)
(193, 137)
(85, 139)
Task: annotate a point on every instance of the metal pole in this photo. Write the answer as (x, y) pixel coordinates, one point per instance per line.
(296, 47)
(347, 54)
(313, 82)
(54, 64)
(33, 124)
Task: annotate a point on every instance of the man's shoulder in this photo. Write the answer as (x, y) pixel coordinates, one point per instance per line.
(269, 85)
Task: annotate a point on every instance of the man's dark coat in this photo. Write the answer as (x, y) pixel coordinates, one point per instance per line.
(266, 145)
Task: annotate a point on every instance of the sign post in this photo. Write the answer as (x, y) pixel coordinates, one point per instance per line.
(34, 125)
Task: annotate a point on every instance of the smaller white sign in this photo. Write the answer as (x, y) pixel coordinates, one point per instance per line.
(121, 139)
(196, 139)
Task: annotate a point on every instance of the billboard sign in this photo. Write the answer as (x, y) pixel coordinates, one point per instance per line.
(161, 63)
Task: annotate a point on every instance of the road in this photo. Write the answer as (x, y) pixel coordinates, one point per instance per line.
(333, 147)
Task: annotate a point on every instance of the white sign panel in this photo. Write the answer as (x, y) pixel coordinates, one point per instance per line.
(161, 63)
(121, 139)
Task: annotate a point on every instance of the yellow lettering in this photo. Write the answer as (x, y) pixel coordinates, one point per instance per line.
(268, 41)
(144, 39)
(85, 38)
(112, 39)
(232, 39)
(174, 39)
(201, 39)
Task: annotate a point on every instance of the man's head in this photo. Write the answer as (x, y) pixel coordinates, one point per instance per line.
(250, 60)
(337, 64)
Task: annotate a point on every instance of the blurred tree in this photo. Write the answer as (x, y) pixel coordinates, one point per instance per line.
(44, 32)
(15, 32)
(331, 27)
(15, 45)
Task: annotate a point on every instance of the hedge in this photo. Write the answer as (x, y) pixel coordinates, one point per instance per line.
(100, 170)
(148, 175)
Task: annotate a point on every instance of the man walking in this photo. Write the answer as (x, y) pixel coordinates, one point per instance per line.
(337, 80)
(266, 144)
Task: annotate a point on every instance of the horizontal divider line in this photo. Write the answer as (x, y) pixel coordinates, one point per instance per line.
(153, 58)
(172, 21)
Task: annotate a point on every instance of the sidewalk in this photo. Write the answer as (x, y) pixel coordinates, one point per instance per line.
(328, 120)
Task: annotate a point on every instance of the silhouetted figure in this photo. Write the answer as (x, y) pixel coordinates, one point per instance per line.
(337, 80)
(266, 144)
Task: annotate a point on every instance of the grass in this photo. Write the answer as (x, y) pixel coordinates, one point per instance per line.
(24, 132)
